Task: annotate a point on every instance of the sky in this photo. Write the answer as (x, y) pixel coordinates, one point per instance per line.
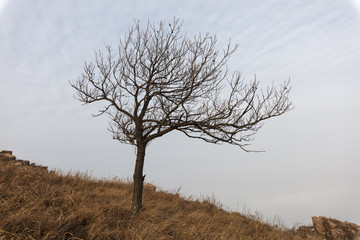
(310, 165)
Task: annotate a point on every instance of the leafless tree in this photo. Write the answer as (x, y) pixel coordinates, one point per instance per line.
(159, 80)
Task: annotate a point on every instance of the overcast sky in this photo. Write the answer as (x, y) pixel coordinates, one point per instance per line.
(311, 163)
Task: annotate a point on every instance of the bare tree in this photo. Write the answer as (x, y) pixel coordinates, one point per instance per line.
(159, 81)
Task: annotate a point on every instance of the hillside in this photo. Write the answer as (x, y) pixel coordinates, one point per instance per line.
(37, 204)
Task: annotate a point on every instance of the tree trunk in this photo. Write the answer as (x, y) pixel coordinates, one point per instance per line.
(138, 178)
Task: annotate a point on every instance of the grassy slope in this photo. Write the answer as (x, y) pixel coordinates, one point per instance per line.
(35, 204)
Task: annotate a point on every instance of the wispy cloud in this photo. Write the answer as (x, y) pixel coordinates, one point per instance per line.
(2, 5)
(356, 4)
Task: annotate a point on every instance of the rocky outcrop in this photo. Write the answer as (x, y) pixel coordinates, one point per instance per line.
(7, 156)
(333, 229)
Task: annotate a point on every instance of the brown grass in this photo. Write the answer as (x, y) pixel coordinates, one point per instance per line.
(35, 204)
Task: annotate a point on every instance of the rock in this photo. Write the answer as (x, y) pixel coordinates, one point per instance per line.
(6, 151)
(23, 162)
(6, 155)
(333, 229)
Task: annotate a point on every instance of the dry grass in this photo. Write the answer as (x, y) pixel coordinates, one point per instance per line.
(35, 204)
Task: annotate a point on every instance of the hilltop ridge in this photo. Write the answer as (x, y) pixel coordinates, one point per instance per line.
(41, 204)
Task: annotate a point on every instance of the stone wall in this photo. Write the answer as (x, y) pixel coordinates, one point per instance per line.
(7, 156)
